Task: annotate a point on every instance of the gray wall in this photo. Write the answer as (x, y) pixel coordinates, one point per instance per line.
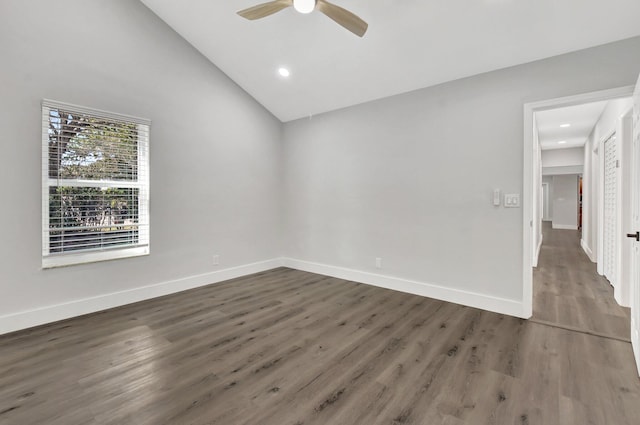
(565, 202)
(409, 178)
(215, 152)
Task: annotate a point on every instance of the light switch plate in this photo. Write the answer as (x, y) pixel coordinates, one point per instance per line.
(512, 200)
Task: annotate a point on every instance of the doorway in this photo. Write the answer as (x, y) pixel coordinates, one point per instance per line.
(581, 178)
(532, 191)
(580, 203)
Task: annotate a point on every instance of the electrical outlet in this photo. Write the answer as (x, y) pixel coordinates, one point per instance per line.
(216, 259)
(378, 263)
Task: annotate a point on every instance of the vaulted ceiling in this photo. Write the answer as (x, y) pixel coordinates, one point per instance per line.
(410, 44)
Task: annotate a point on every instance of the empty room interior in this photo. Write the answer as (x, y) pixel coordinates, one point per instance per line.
(300, 212)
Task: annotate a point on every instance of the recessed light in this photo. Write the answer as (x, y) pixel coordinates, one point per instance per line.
(284, 72)
(565, 125)
(562, 142)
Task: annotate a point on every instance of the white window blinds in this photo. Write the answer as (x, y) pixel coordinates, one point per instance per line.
(95, 197)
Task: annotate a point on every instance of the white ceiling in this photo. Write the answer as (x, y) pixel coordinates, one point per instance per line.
(410, 44)
(581, 117)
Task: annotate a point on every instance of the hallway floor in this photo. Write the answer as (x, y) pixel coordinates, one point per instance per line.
(569, 293)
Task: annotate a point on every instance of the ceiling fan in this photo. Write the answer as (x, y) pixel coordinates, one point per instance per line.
(341, 16)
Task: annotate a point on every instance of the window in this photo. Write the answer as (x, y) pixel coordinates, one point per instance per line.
(95, 185)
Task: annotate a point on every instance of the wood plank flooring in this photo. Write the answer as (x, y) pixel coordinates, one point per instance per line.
(286, 347)
(568, 292)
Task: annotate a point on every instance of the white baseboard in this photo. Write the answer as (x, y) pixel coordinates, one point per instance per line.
(587, 250)
(40, 316)
(536, 255)
(471, 299)
(53, 313)
(564, 226)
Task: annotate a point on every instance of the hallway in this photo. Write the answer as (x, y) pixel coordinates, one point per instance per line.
(568, 293)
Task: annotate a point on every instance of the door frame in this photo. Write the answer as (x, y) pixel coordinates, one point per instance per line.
(635, 223)
(531, 163)
(622, 293)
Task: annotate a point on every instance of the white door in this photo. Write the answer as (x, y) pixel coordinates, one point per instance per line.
(635, 219)
(610, 219)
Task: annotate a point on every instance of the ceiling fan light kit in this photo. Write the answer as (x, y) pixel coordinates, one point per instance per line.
(339, 15)
(304, 6)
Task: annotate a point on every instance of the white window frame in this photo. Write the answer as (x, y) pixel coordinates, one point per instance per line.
(142, 183)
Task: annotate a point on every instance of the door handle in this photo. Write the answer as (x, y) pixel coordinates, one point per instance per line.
(635, 236)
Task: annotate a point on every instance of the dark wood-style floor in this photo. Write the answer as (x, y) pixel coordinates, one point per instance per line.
(569, 293)
(286, 347)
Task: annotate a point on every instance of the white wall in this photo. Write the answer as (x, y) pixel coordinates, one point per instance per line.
(409, 178)
(215, 154)
(565, 202)
(549, 181)
(562, 157)
(606, 124)
(562, 161)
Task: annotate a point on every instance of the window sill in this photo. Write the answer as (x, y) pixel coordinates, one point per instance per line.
(64, 260)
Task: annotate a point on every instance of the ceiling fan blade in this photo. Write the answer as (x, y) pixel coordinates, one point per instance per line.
(343, 17)
(265, 9)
